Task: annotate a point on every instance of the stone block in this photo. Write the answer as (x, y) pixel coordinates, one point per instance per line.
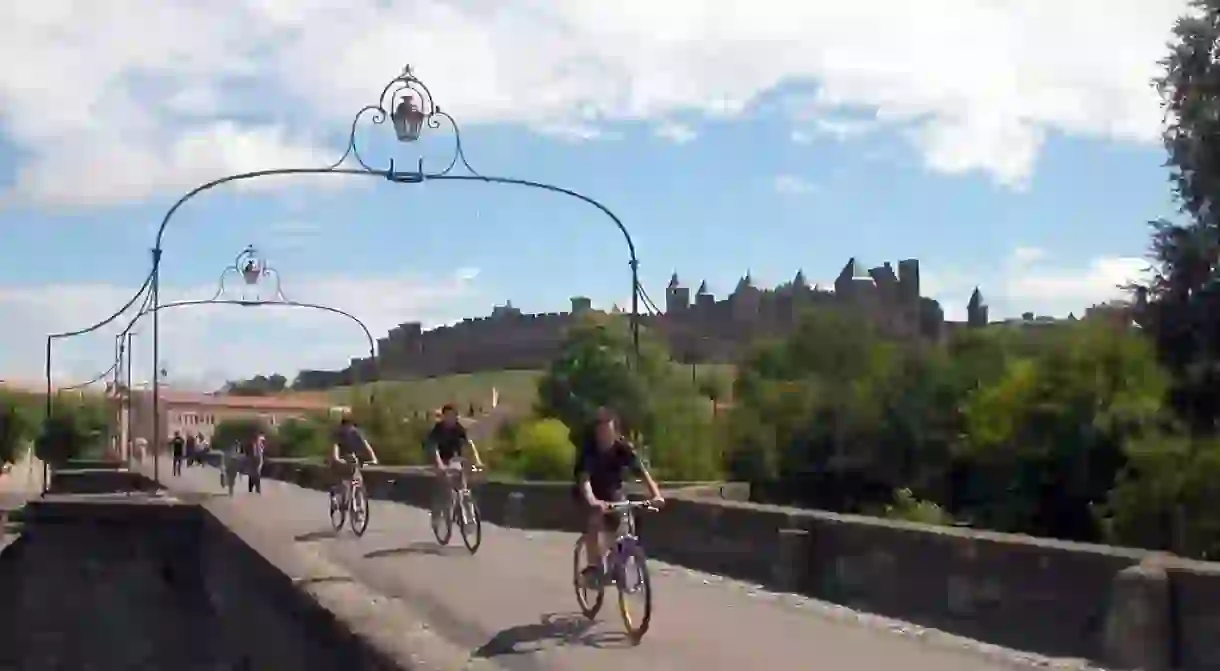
(791, 568)
(514, 510)
(1138, 629)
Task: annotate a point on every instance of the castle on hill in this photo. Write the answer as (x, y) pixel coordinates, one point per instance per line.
(698, 329)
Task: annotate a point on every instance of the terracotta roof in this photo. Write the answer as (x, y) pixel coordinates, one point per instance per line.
(248, 402)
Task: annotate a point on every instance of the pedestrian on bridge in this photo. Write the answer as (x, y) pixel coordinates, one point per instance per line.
(230, 465)
(178, 446)
(254, 464)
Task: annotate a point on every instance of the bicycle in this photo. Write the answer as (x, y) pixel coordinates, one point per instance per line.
(623, 560)
(464, 510)
(349, 501)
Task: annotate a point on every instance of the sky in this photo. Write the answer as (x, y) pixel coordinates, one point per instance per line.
(1011, 145)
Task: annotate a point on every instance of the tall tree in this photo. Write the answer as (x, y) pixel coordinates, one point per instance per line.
(1183, 298)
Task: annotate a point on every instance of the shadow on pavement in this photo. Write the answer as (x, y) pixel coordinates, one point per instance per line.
(422, 548)
(554, 628)
(323, 579)
(324, 534)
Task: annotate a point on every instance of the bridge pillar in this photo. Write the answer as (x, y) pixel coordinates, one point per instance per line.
(1138, 632)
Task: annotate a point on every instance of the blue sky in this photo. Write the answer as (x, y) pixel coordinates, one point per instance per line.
(1034, 183)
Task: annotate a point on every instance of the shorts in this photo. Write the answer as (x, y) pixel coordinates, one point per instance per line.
(610, 521)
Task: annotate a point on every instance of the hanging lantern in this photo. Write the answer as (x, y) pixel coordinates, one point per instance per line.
(408, 120)
(251, 271)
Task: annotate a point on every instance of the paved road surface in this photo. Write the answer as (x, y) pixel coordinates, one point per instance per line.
(513, 602)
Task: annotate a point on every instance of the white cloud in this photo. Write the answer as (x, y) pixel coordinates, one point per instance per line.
(121, 100)
(838, 129)
(676, 132)
(793, 185)
(1033, 281)
(204, 345)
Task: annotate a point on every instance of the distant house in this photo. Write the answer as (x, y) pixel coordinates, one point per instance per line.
(194, 413)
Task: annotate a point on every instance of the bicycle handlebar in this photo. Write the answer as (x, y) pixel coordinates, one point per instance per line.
(633, 505)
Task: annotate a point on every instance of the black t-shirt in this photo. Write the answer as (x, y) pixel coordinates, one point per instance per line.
(605, 468)
(178, 444)
(447, 440)
(350, 440)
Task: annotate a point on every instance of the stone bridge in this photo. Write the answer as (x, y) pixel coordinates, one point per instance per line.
(737, 585)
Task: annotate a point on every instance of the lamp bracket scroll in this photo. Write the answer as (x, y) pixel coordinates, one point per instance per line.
(257, 281)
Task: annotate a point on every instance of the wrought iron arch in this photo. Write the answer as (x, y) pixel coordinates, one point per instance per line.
(252, 268)
(410, 105)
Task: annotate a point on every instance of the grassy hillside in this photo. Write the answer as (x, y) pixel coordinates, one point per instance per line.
(517, 388)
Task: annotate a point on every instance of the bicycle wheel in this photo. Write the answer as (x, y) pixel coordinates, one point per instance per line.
(632, 580)
(360, 510)
(442, 524)
(470, 524)
(338, 509)
(588, 597)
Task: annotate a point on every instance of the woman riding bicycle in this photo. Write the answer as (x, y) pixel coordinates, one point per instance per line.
(604, 456)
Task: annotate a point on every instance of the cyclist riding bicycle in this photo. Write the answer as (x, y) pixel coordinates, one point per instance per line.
(348, 443)
(604, 456)
(445, 441)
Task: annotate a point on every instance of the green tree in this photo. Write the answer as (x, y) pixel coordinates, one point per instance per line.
(77, 425)
(1049, 433)
(594, 368)
(541, 450)
(240, 431)
(813, 401)
(308, 437)
(391, 428)
(1183, 299)
(656, 401)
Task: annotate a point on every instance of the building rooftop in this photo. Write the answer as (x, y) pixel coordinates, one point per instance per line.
(305, 402)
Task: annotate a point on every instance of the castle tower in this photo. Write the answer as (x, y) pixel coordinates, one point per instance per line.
(677, 297)
(745, 299)
(976, 310)
(853, 281)
(908, 282)
(704, 299)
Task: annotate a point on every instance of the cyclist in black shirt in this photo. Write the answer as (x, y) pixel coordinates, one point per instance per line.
(445, 441)
(349, 442)
(604, 456)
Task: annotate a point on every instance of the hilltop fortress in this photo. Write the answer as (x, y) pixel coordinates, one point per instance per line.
(702, 329)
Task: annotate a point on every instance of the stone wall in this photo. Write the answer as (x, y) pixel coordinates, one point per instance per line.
(1125, 607)
(151, 583)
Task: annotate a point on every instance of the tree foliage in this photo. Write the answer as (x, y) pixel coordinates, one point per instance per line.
(301, 438)
(240, 432)
(78, 424)
(596, 367)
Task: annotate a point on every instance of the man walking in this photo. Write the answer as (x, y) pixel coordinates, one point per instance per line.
(230, 461)
(191, 450)
(255, 473)
(178, 446)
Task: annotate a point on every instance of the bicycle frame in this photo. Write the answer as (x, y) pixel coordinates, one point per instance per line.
(349, 483)
(625, 541)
